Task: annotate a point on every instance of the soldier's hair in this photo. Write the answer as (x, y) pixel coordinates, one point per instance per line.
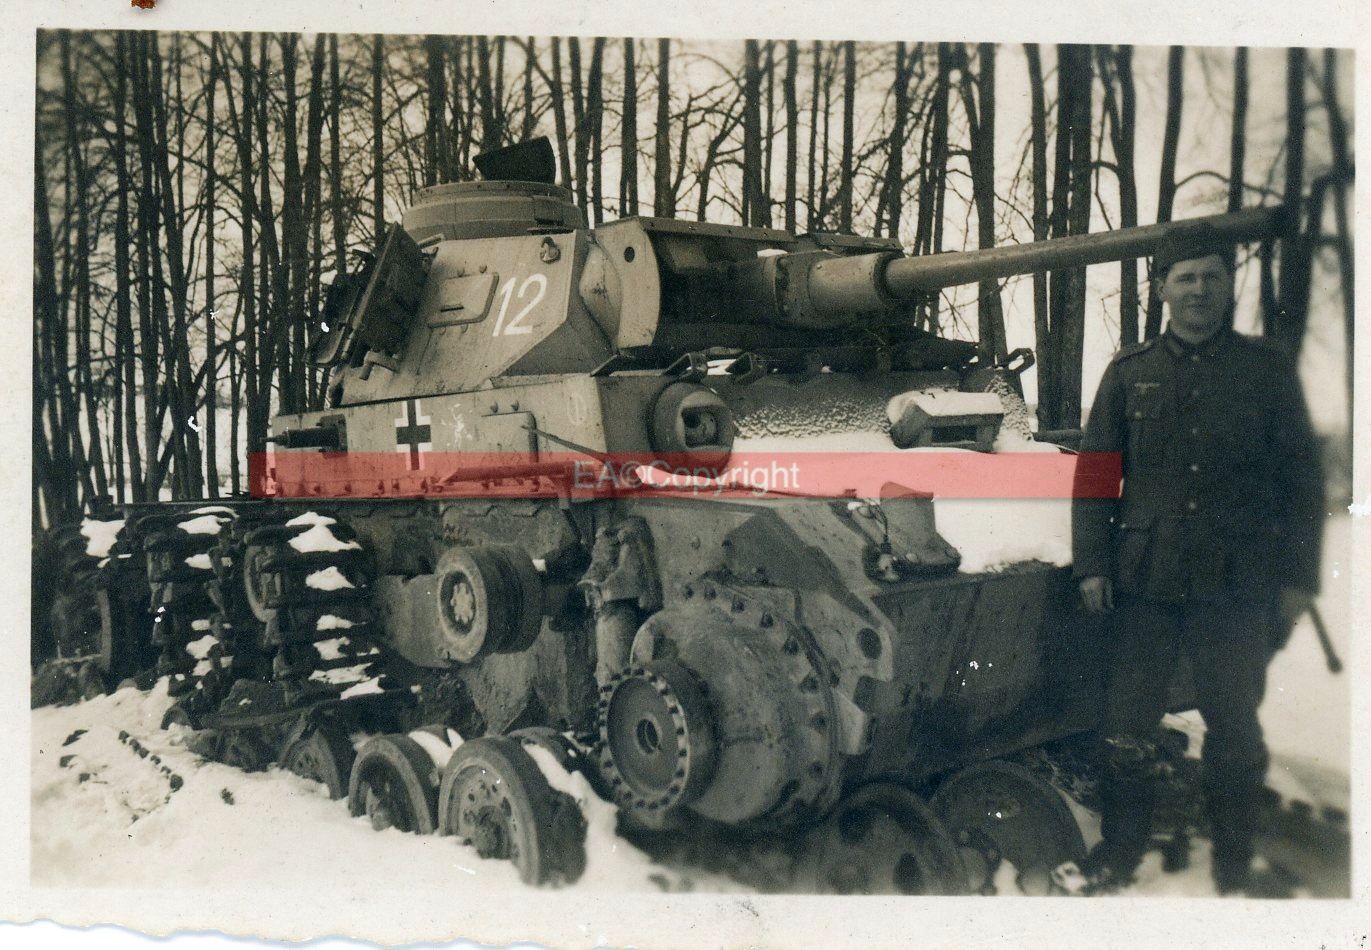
(1190, 242)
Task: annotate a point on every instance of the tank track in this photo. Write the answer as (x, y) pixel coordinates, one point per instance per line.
(72, 660)
(263, 612)
(1304, 848)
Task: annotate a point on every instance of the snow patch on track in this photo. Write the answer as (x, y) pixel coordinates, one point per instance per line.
(100, 535)
(320, 538)
(328, 578)
(205, 524)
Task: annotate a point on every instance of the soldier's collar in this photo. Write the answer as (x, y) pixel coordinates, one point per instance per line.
(1179, 348)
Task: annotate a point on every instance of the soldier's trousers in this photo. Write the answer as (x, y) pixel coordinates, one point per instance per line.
(1226, 642)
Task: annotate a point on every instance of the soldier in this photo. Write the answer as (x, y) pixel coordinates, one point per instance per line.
(1212, 550)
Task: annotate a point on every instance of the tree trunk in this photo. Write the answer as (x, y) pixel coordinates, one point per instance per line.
(1116, 67)
(211, 354)
(811, 202)
(580, 127)
(894, 168)
(595, 116)
(59, 472)
(849, 104)
(559, 114)
(1342, 180)
(335, 146)
(490, 124)
(185, 439)
(792, 130)
(1238, 146)
(311, 249)
(1073, 329)
(628, 136)
(126, 362)
(146, 242)
(1294, 270)
(663, 196)
(1166, 190)
(435, 130)
(942, 97)
(769, 127)
(530, 117)
(378, 178)
(272, 275)
(980, 120)
(754, 212)
(1047, 395)
(247, 214)
(84, 382)
(498, 92)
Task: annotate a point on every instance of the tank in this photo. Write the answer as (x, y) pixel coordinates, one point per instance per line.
(468, 536)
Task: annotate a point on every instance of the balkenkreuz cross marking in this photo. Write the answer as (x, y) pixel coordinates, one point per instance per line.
(413, 434)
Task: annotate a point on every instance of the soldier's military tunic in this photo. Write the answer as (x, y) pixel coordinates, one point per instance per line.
(1221, 507)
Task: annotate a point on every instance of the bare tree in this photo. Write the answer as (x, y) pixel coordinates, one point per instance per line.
(628, 136)
(1295, 251)
(1116, 68)
(663, 195)
(792, 130)
(1166, 190)
(1238, 146)
(849, 132)
(978, 101)
(755, 211)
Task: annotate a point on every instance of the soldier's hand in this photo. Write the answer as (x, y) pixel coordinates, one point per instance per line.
(1098, 594)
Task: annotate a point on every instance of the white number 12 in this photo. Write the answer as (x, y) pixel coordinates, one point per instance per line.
(515, 326)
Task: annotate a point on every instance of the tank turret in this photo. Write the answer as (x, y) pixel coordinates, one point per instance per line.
(498, 285)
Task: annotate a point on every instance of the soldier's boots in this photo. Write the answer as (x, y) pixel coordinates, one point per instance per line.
(1106, 870)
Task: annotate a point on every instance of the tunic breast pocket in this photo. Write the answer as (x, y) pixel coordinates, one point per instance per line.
(1145, 408)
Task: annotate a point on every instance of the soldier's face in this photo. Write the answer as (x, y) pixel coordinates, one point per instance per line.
(1198, 293)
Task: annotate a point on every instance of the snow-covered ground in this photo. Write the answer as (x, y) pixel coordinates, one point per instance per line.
(104, 816)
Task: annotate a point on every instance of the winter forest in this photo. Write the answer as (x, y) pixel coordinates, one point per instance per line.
(195, 194)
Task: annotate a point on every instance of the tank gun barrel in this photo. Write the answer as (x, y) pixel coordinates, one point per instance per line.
(909, 276)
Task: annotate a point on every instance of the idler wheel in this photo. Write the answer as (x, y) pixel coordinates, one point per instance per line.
(693, 421)
(495, 798)
(394, 784)
(658, 747)
(1002, 810)
(322, 754)
(490, 600)
(884, 840)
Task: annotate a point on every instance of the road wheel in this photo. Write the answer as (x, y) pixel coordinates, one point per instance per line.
(1001, 810)
(394, 784)
(883, 839)
(322, 754)
(495, 798)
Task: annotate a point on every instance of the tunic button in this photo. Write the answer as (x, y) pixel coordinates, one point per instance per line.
(1194, 430)
(1194, 394)
(1194, 357)
(1194, 467)
(1191, 505)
